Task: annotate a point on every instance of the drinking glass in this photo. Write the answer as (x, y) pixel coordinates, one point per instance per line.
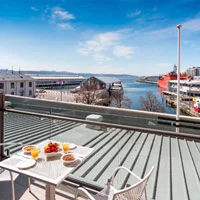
(65, 147)
(35, 153)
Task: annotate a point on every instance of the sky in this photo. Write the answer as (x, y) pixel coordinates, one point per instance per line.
(136, 37)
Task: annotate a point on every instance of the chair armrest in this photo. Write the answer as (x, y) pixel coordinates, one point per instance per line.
(80, 189)
(126, 169)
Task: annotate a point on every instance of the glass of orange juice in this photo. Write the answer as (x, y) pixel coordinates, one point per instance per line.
(65, 147)
(35, 153)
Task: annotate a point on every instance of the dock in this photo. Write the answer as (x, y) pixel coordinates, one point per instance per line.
(183, 97)
(186, 104)
(146, 81)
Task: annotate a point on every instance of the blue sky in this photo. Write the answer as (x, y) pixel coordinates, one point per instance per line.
(137, 37)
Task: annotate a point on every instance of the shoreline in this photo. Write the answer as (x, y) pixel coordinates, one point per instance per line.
(65, 96)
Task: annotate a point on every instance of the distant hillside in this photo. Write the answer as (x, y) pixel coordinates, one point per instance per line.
(37, 72)
(115, 75)
(68, 73)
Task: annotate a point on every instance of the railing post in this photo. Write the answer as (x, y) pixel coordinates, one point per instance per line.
(2, 105)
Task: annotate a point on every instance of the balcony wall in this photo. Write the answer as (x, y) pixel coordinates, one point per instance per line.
(135, 118)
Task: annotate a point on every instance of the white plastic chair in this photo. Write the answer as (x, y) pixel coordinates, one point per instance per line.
(133, 192)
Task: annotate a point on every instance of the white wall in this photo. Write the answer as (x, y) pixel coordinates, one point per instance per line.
(17, 89)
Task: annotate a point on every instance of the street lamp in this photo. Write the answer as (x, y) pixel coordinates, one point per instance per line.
(61, 84)
(178, 79)
(189, 97)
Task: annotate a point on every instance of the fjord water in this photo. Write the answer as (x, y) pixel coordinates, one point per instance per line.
(133, 90)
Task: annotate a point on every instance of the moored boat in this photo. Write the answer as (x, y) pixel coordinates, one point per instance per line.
(163, 80)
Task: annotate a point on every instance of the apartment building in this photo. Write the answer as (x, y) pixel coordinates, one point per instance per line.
(193, 71)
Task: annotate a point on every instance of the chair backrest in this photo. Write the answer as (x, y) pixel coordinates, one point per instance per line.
(133, 192)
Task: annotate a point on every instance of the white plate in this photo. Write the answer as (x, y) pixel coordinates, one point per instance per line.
(25, 151)
(24, 164)
(70, 161)
(72, 146)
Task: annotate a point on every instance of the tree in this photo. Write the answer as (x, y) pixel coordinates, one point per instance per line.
(150, 102)
(119, 100)
(91, 94)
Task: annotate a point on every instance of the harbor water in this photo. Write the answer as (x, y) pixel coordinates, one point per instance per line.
(134, 90)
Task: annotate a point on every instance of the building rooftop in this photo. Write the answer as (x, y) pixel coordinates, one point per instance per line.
(107, 79)
(15, 77)
(57, 77)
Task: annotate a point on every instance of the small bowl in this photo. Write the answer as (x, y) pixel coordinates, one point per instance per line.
(69, 161)
(27, 149)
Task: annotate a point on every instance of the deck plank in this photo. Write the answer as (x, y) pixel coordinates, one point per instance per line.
(100, 148)
(164, 172)
(190, 172)
(130, 160)
(178, 184)
(142, 160)
(118, 160)
(113, 152)
(153, 161)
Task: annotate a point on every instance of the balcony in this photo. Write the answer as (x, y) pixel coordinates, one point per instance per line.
(135, 139)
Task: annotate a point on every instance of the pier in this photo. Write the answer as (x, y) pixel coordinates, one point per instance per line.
(50, 82)
(148, 79)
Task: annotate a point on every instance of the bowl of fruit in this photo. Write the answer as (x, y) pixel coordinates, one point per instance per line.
(52, 149)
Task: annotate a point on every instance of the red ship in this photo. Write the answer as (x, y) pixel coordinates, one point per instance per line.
(163, 80)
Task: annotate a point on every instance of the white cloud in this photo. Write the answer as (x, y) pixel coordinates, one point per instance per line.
(192, 25)
(34, 8)
(104, 46)
(83, 51)
(61, 14)
(108, 39)
(123, 51)
(101, 58)
(134, 14)
(65, 26)
(99, 43)
(60, 17)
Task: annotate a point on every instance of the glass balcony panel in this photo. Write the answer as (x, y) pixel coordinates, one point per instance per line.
(157, 121)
